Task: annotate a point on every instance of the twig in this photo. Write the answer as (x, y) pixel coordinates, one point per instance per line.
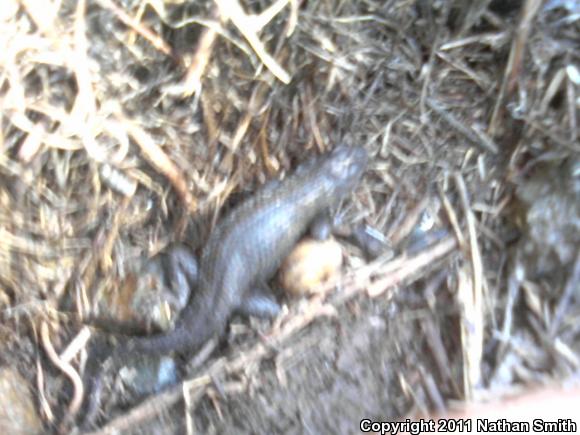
(452, 216)
(147, 409)
(138, 27)
(514, 63)
(44, 405)
(78, 388)
(477, 137)
(412, 266)
(76, 345)
(43, 14)
(192, 81)
(250, 25)
(159, 159)
(470, 297)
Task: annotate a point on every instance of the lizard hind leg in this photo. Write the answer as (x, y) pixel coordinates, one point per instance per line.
(259, 302)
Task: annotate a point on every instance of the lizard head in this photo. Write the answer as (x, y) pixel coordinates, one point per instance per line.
(344, 167)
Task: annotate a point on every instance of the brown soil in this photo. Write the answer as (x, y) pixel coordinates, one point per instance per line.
(125, 129)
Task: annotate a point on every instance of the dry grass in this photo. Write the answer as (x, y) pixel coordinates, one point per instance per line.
(126, 126)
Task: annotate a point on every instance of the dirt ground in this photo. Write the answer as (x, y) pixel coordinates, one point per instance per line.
(129, 126)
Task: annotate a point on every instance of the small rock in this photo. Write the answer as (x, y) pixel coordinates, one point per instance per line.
(149, 375)
(549, 213)
(311, 264)
(17, 408)
(147, 300)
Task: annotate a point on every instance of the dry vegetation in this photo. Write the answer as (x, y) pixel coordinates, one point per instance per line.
(128, 125)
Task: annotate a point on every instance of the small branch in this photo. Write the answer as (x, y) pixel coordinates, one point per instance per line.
(138, 27)
(78, 388)
(249, 26)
